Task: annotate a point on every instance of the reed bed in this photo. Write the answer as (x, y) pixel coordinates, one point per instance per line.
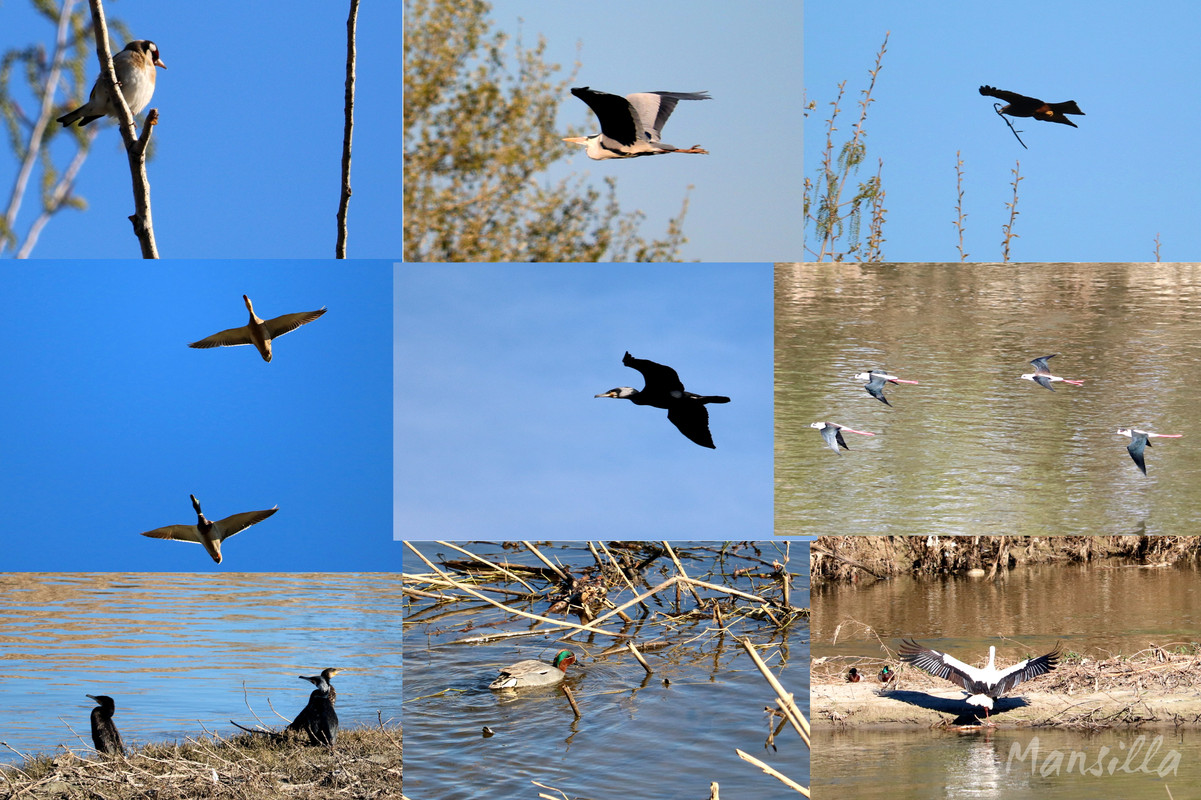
(633, 594)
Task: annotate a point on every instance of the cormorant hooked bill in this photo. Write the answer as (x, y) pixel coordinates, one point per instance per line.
(105, 737)
(663, 389)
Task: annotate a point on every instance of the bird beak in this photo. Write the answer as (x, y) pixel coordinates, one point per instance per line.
(159, 63)
(610, 393)
(578, 140)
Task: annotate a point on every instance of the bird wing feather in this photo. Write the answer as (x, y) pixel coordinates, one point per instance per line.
(240, 522)
(180, 533)
(692, 420)
(658, 377)
(226, 338)
(289, 322)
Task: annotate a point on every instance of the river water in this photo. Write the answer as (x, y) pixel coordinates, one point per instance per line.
(180, 653)
(638, 735)
(972, 448)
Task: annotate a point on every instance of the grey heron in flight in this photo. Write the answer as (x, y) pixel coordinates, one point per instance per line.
(630, 125)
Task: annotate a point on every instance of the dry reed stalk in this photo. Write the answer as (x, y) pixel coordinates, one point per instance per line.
(486, 562)
(683, 574)
(544, 560)
(781, 777)
(787, 703)
(630, 646)
(556, 623)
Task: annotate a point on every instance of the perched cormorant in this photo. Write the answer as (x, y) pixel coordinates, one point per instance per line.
(209, 533)
(318, 719)
(325, 676)
(663, 389)
(1019, 105)
(105, 737)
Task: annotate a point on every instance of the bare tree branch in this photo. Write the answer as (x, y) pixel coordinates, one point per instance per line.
(135, 147)
(343, 206)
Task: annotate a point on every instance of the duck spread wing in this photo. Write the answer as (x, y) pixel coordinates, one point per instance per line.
(289, 322)
(240, 522)
(226, 338)
(180, 533)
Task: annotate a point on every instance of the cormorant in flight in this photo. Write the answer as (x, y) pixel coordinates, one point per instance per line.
(663, 389)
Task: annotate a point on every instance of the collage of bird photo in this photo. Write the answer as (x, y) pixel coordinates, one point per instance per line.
(860, 461)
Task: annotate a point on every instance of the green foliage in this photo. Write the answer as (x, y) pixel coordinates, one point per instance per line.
(479, 130)
(833, 229)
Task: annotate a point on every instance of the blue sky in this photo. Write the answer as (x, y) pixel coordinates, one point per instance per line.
(747, 197)
(499, 435)
(110, 421)
(1097, 193)
(249, 138)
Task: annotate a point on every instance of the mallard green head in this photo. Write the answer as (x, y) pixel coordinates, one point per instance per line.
(886, 674)
(853, 676)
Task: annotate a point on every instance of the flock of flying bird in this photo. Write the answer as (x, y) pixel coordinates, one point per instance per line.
(260, 333)
(982, 686)
(317, 719)
(878, 379)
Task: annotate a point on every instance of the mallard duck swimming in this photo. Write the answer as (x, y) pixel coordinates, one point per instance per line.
(886, 675)
(258, 332)
(534, 673)
(208, 533)
(853, 676)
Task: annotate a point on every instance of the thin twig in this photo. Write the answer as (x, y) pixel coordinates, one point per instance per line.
(348, 129)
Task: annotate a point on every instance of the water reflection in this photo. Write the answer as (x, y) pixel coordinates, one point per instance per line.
(676, 728)
(182, 651)
(972, 448)
(1006, 764)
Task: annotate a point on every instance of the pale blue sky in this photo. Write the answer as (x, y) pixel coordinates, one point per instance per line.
(746, 203)
(499, 435)
(110, 420)
(249, 138)
(1097, 193)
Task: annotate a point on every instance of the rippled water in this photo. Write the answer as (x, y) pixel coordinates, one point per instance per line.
(1006, 764)
(1095, 610)
(636, 736)
(972, 448)
(182, 652)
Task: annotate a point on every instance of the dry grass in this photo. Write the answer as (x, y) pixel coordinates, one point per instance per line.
(365, 764)
(843, 558)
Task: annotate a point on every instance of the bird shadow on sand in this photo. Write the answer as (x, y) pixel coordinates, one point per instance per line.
(965, 714)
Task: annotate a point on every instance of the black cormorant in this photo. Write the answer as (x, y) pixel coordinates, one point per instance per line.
(663, 389)
(318, 718)
(105, 737)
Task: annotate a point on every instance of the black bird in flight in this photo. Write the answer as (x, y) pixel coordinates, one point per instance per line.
(663, 389)
(1019, 105)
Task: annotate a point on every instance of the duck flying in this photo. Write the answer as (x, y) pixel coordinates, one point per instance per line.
(209, 533)
(630, 125)
(1139, 441)
(663, 389)
(832, 433)
(1042, 374)
(1019, 105)
(982, 686)
(258, 332)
